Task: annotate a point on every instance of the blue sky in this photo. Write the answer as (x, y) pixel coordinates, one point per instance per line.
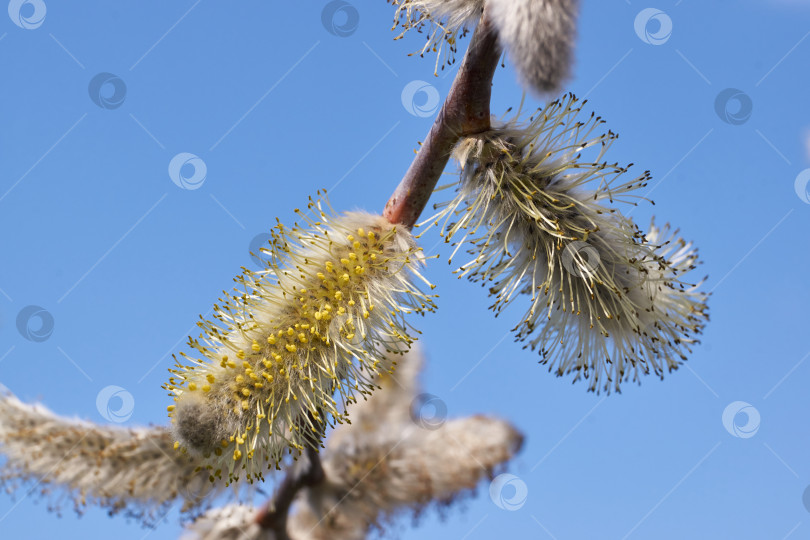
(96, 233)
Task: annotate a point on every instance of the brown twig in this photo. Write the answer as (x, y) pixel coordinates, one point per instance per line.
(465, 112)
(273, 516)
(306, 472)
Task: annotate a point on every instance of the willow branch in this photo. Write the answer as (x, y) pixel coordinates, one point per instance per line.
(307, 472)
(465, 112)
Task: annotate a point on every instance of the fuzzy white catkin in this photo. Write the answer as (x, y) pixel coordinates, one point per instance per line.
(380, 470)
(539, 36)
(538, 209)
(134, 470)
(414, 466)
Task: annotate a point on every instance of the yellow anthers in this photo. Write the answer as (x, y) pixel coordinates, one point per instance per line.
(192, 386)
(170, 408)
(176, 445)
(295, 329)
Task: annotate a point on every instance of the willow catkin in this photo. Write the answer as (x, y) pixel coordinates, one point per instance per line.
(538, 209)
(134, 470)
(324, 318)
